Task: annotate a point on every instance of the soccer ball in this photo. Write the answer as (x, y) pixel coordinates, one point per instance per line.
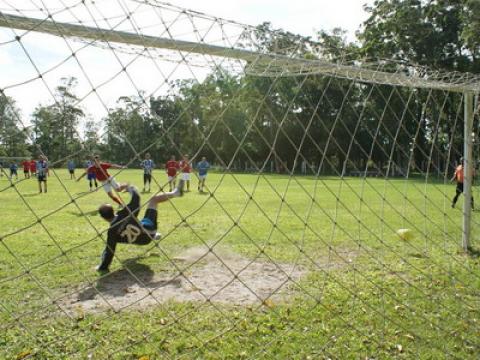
(405, 234)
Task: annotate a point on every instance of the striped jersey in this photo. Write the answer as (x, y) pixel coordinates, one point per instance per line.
(148, 166)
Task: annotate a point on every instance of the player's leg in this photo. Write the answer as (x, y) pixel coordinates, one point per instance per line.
(458, 191)
(118, 187)
(149, 222)
(155, 200)
(107, 186)
(114, 198)
(144, 182)
(45, 184)
(40, 185)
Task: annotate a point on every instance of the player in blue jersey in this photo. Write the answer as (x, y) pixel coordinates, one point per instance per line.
(202, 168)
(42, 172)
(71, 169)
(147, 166)
(13, 170)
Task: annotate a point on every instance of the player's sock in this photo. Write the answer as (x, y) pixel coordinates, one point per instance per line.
(179, 189)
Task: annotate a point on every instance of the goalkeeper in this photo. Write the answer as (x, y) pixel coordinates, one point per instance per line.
(126, 228)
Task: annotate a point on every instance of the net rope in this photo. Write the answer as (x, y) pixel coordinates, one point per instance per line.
(343, 79)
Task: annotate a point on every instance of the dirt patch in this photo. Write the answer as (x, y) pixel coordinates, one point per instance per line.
(221, 277)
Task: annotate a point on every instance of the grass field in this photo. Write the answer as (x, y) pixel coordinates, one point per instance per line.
(359, 292)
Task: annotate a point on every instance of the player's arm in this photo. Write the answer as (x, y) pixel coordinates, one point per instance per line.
(454, 176)
(107, 255)
(116, 166)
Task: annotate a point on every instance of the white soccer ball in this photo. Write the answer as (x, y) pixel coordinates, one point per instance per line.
(405, 234)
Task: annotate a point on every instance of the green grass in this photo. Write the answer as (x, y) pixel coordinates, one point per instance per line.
(367, 294)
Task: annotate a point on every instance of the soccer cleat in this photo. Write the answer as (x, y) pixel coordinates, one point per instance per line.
(102, 271)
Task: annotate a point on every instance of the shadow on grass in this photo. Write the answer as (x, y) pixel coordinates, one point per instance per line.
(473, 252)
(83, 193)
(87, 213)
(119, 282)
(31, 194)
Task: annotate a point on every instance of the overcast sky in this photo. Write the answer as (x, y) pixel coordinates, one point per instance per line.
(101, 68)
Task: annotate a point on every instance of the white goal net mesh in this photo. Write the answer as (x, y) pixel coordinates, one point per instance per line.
(324, 228)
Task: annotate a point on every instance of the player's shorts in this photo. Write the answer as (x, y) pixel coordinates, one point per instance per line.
(459, 187)
(202, 177)
(110, 184)
(42, 177)
(147, 178)
(171, 178)
(71, 171)
(91, 176)
(186, 176)
(149, 221)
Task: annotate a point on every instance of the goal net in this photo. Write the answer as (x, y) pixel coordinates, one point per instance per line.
(325, 224)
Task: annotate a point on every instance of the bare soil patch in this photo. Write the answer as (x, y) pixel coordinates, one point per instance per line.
(220, 277)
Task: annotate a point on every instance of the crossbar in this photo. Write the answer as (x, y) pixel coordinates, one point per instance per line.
(290, 66)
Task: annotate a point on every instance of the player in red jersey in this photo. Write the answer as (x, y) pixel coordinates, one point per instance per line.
(186, 169)
(33, 167)
(26, 168)
(101, 174)
(171, 168)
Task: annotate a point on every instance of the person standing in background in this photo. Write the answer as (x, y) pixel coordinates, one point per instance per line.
(71, 169)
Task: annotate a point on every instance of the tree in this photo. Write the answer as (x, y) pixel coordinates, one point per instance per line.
(13, 136)
(130, 130)
(55, 125)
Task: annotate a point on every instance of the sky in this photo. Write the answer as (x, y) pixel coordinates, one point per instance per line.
(101, 68)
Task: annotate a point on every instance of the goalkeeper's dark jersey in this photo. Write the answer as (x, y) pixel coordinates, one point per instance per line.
(125, 228)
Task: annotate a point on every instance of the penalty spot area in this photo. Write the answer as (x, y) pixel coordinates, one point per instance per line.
(221, 277)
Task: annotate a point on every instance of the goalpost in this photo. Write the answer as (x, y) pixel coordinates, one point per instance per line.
(348, 189)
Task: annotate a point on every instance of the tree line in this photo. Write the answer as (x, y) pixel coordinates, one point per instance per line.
(287, 122)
